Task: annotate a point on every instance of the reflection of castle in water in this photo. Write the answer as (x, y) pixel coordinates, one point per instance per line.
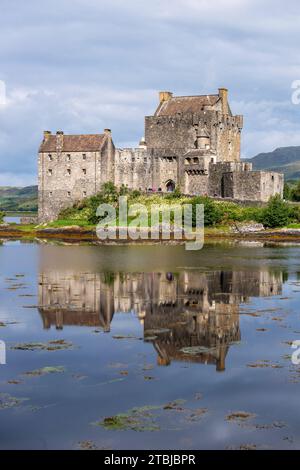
(189, 316)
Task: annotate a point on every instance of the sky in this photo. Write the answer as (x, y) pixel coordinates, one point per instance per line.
(84, 65)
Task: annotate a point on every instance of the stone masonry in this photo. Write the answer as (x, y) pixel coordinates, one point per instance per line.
(191, 142)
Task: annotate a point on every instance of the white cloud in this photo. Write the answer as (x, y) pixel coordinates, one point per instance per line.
(18, 180)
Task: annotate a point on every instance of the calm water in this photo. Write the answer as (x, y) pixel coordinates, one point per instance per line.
(175, 342)
(12, 219)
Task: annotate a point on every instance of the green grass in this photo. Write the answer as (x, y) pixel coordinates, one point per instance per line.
(293, 225)
(70, 222)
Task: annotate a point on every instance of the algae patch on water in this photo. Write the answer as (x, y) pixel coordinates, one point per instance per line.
(7, 401)
(137, 419)
(54, 345)
(240, 416)
(45, 371)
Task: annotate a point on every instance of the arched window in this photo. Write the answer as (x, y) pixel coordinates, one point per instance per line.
(170, 185)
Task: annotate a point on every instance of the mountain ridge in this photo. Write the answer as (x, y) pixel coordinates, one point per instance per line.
(283, 160)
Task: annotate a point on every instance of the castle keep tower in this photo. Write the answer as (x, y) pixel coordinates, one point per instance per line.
(185, 123)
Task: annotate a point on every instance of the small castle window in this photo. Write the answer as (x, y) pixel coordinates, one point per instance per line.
(69, 193)
(50, 194)
(50, 158)
(272, 178)
(50, 172)
(84, 193)
(84, 156)
(196, 160)
(68, 171)
(84, 171)
(145, 159)
(133, 159)
(68, 157)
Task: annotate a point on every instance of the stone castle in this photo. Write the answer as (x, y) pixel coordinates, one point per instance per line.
(191, 142)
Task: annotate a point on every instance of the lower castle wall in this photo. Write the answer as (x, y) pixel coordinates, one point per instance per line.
(253, 185)
(148, 169)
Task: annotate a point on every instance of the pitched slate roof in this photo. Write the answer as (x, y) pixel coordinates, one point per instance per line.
(186, 104)
(74, 143)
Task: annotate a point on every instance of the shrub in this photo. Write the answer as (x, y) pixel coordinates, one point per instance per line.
(232, 212)
(294, 213)
(109, 192)
(212, 210)
(277, 213)
(287, 192)
(295, 192)
(176, 194)
(1, 217)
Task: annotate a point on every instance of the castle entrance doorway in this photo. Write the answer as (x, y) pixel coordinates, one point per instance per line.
(170, 186)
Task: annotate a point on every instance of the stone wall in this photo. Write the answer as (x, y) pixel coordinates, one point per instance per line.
(221, 180)
(253, 185)
(67, 177)
(133, 168)
(147, 169)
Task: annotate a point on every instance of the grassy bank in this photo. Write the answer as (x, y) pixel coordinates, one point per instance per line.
(275, 214)
(222, 219)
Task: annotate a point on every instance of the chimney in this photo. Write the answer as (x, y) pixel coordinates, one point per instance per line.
(165, 96)
(59, 141)
(46, 135)
(107, 131)
(223, 94)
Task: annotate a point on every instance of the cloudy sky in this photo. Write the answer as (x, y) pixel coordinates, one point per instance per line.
(82, 65)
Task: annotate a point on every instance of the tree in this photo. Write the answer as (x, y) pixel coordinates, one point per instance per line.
(287, 191)
(295, 192)
(277, 213)
(212, 210)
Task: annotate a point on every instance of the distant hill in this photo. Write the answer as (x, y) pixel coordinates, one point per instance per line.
(284, 160)
(18, 199)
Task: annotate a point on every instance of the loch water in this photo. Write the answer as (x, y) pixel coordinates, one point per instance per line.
(149, 347)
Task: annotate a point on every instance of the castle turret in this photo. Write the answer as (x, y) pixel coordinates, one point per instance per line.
(203, 139)
(142, 144)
